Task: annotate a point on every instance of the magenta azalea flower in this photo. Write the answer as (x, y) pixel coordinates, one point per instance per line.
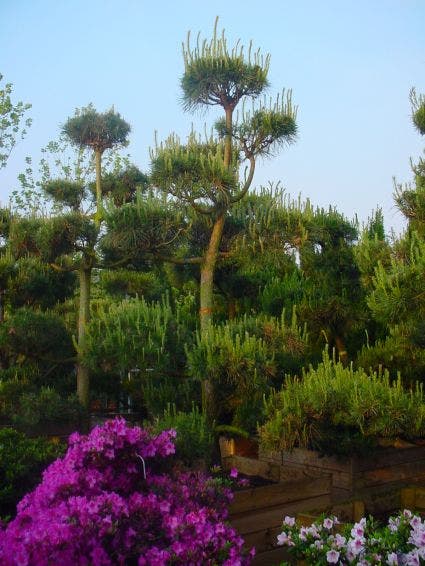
(96, 506)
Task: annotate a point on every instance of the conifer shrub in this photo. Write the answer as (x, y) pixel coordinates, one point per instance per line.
(194, 439)
(158, 392)
(146, 342)
(46, 407)
(398, 354)
(36, 345)
(129, 334)
(244, 358)
(22, 461)
(339, 410)
(28, 408)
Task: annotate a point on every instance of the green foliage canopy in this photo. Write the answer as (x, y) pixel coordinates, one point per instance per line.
(99, 131)
(13, 123)
(216, 75)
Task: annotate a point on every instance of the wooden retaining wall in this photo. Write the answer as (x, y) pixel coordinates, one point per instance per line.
(257, 513)
(386, 503)
(386, 469)
(308, 485)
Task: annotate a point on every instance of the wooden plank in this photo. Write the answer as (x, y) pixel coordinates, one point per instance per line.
(349, 511)
(227, 446)
(291, 474)
(402, 472)
(340, 479)
(272, 557)
(307, 458)
(254, 521)
(252, 467)
(278, 494)
(391, 456)
(268, 456)
(246, 447)
(262, 540)
(381, 500)
(419, 498)
(358, 510)
(408, 497)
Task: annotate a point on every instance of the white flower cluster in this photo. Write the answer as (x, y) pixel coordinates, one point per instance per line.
(401, 542)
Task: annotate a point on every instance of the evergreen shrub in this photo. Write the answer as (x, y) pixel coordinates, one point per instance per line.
(339, 410)
(194, 438)
(244, 358)
(22, 460)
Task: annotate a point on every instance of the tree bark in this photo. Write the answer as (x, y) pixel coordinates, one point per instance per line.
(228, 139)
(83, 378)
(2, 293)
(206, 309)
(206, 287)
(342, 352)
(99, 203)
(207, 275)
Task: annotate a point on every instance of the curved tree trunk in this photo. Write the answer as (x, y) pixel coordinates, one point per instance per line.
(207, 275)
(83, 378)
(206, 288)
(206, 307)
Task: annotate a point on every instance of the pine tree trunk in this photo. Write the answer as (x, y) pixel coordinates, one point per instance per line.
(231, 309)
(2, 293)
(207, 275)
(206, 290)
(342, 352)
(83, 378)
(228, 139)
(210, 258)
(99, 204)
(206, 308)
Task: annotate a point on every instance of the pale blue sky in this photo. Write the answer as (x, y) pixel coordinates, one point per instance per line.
(350, 64)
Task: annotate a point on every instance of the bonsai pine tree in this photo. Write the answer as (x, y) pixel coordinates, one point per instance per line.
(69, 241)
(201, 179)
(397, 297)
(204, 175)
(411, 200)
(91, 129)
(418, 111)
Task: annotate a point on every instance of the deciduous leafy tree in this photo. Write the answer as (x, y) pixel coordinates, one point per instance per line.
(13, 123)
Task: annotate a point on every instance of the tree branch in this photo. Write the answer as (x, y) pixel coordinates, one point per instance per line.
(248, 182)
(176, 260)
(200, 209)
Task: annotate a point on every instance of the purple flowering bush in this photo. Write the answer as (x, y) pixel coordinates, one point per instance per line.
(96, 506)
(400, 542)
